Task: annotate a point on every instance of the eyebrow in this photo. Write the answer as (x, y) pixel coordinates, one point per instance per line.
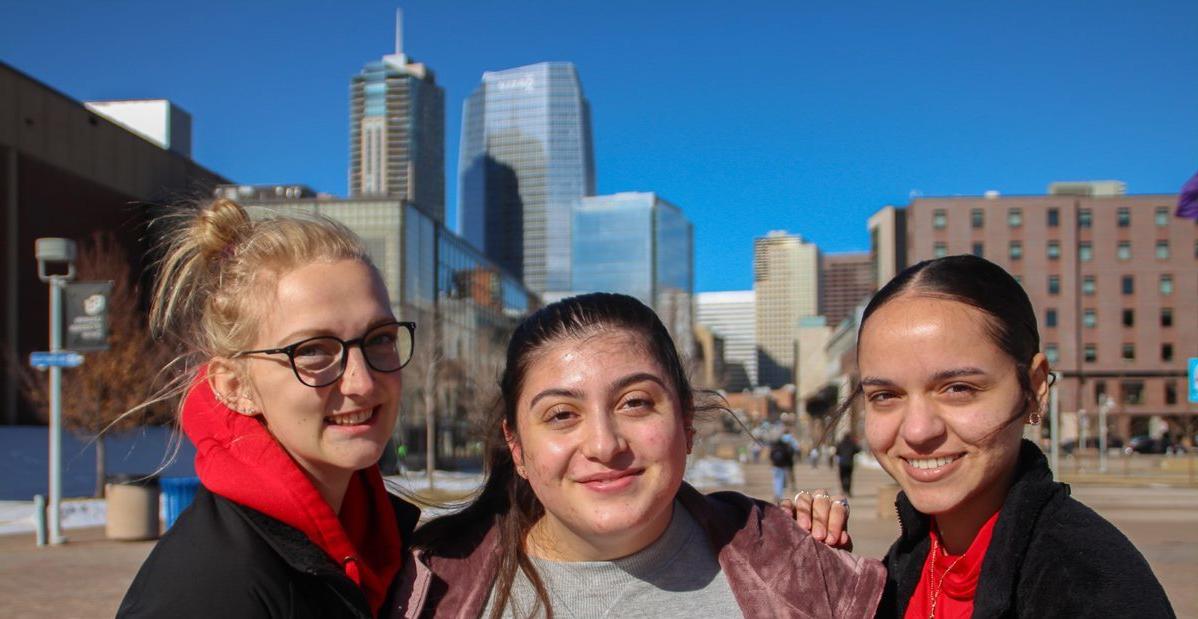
(303, 334)
(875, 381)
(621, 383)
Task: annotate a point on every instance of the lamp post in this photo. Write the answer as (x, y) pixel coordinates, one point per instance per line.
(48, 251)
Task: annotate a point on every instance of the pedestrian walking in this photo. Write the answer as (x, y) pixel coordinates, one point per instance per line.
(846, 452)
(782, 459)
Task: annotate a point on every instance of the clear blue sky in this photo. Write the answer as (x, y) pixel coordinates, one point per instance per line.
(750, 116)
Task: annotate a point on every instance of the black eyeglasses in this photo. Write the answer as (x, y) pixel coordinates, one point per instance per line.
(320, 361)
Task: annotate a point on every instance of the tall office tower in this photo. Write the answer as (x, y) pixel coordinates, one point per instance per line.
(1112, 277)
(732, 315)
(526, 161)
(847, 281)
(397, 131)
(638, 244)
(786, 283)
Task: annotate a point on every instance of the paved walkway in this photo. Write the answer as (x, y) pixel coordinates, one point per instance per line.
(88, 576)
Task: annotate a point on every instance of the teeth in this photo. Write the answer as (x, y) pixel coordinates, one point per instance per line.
(930, 463)
(350, 419)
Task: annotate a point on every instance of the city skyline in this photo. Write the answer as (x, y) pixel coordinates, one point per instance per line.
(778, 117)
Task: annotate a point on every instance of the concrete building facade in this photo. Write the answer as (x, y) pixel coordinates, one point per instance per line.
(847, 280)
(732, 314)
(786, 283)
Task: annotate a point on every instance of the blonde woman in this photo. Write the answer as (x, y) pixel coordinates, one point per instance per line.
(292, 391)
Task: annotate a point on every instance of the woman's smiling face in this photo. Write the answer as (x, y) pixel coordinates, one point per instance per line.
(601, 438)
(944, 404)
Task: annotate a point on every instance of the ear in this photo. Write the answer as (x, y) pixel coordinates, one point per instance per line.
(232, 387)
(1038, 375)
(690, 438)
(513, 446)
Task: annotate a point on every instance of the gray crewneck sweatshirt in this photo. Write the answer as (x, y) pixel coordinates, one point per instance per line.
(676, 576)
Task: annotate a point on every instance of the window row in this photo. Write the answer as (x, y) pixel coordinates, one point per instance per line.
(1127, 352)
(1085, 217)
(1090, 317)
(1133, 391)
(1127, 284)
(1085, 250)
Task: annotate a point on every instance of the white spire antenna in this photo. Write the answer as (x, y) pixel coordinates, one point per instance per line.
(398, 32)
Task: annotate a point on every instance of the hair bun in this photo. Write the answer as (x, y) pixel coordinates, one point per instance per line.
(220, 226)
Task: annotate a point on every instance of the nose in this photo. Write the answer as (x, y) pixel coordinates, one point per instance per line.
(357, 379)
(603, 440)
(922, 423)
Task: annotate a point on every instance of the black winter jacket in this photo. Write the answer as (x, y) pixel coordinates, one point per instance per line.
(1050, 556)
(226, 561)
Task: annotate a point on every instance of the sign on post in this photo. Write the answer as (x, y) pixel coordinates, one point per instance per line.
(86, 316)
(62, 359)
(1193, 376)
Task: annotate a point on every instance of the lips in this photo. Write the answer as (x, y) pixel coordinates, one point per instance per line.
(931, 468)
(610, 480)
(931, 463)
(352, 418)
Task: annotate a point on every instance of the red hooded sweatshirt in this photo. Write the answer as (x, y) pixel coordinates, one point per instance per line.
(237, 458)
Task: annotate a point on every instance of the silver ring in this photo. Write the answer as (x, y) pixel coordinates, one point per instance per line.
(799, 494)
(820, 496)
(843, 502)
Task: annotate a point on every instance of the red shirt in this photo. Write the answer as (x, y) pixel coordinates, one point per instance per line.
(956, 578)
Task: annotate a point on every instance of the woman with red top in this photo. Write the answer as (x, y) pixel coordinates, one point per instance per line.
(951, 373)
(291, 390)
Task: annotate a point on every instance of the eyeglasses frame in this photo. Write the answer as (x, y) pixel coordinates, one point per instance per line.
(359, 341)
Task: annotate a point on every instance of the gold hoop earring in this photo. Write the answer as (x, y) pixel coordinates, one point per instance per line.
(1034, 418)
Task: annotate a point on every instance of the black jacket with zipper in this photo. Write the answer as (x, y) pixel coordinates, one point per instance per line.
(226, 561)
(1050, 556)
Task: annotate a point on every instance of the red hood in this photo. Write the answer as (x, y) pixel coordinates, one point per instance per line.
(237, 458)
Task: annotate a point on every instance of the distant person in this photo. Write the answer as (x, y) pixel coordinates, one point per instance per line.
(846, 452)
(290, 390)
(951, 373)
(782, 459)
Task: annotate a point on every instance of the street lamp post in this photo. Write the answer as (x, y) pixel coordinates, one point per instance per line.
(55, 250)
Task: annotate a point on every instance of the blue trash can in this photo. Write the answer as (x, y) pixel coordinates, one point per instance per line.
(177, 494)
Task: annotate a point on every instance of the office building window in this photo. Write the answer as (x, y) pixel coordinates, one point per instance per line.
(1166, 285)
(1129, 352)
(1051, 353)
(1129, 317)
(1088, 285)
(1166, 351)
(1089, 318)
(1085, 251)
(1133, 391)
(1090, 353)
(1166, 317)
(939, 250)
(1128, 284)
(1123, 251)
(1085, 218)
(1015, 217)
(1016, 250)
(1162, 216)
(1054, 284)
(1162, 250)
(1170, 392)
(978, 250)
(977, 218)
(1054, 217)
(1050, 317)
(1054, 250)
(939, 219)
(1123, 217)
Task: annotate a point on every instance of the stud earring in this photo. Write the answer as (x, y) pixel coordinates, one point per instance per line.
(1034, 418)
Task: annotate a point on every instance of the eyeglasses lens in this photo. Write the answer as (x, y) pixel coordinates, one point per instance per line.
(318, 361)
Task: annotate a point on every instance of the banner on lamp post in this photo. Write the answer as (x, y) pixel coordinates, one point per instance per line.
(85, 316)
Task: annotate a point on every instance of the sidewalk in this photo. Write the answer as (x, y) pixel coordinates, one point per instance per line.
(88, 576)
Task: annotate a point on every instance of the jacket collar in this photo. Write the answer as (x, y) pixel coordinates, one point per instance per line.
(1031, 490)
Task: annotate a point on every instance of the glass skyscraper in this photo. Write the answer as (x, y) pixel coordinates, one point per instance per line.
(526, 160)
(640, 245)
(397, 132)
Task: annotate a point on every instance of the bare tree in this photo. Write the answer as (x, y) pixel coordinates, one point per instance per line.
(97, 395)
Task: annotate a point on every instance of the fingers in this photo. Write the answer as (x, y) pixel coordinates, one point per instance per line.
(845, 542)
(838, 519)
(802, 510)
(821, 507)
(789, 506)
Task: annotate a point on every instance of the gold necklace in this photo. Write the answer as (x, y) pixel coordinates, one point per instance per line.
(934, 591)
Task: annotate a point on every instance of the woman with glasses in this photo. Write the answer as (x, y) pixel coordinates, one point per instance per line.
(291, 387)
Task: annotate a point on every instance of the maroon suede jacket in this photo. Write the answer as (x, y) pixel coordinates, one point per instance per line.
(774, 568)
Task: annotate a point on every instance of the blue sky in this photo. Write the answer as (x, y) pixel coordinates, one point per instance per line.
(750, 116)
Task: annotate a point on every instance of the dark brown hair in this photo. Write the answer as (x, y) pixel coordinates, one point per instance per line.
(506, 498)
